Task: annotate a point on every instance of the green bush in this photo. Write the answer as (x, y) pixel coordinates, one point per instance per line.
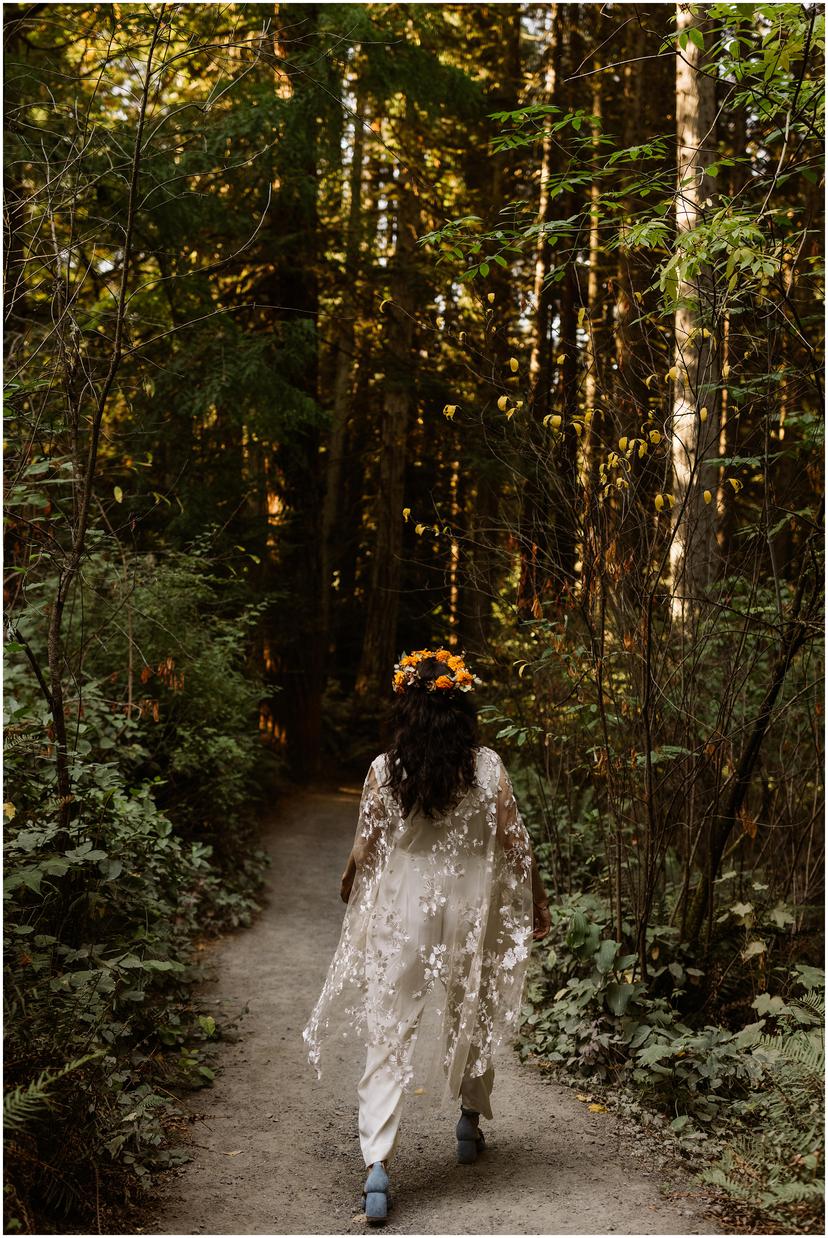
(102, 911)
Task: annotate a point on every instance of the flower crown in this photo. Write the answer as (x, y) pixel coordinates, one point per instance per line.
(454, 674)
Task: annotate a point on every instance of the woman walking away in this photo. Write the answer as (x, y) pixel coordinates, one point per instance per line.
(443, 896)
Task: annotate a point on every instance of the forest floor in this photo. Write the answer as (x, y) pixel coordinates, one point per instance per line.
(276, 1152)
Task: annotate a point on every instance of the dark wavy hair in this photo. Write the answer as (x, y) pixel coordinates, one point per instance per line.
(434, 737)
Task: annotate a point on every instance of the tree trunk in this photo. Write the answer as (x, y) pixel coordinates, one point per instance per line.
(695, 435)
(344, 368)
(379, 644)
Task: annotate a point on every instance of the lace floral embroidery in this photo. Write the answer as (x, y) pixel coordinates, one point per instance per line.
(437, 910)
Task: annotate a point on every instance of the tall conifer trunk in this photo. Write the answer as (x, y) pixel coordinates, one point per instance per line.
(695, 436)
(383, 602)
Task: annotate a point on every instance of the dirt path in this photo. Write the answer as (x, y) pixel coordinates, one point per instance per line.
(278, 1153)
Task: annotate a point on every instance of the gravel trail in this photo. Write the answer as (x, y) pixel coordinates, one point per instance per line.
(277, 1152)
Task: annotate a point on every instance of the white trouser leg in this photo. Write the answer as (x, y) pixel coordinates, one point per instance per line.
(380, 1107)
(475, 1092)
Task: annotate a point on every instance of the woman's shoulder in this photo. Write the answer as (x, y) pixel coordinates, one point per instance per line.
(488, 761)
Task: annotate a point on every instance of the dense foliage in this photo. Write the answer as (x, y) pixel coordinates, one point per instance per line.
(335, 330)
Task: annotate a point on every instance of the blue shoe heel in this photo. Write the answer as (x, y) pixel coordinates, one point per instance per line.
(470, 1140)
(375, 1193)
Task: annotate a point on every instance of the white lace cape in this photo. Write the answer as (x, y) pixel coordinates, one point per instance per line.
(439, 917)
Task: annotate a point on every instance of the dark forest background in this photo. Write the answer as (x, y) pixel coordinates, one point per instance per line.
(337, 330)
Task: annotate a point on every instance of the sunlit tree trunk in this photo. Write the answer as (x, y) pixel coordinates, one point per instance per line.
(695, 434)
(533, 522)
(493, 178)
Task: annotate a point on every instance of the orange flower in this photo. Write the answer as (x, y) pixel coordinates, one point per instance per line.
(463, 676)
(408, 660)
(443, 682)
(455, 662)
(442, 655)
(399, 679)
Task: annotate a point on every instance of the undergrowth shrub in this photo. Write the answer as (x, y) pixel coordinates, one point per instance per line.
(102, 913)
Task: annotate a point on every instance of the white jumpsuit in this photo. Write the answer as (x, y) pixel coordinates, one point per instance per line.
(440, 919)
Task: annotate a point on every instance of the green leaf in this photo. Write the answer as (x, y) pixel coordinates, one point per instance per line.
(618, 996)
(753, 948)
(605, 955)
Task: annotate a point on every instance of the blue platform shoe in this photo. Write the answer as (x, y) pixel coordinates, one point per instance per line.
(375, 1194)
(470, 1140)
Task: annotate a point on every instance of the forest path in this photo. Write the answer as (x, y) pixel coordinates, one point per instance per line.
(277, 1152)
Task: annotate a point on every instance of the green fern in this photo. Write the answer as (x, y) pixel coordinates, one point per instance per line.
(779, 1168)
(22, 1105)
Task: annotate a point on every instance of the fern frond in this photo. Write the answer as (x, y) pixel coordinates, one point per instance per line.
(23, 1104)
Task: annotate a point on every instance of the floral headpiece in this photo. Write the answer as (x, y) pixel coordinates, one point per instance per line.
(454, 674)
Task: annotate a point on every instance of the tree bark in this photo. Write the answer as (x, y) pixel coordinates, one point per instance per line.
(694, 551)
(379, 643)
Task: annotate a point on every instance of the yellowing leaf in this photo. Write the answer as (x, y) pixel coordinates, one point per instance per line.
(659, 502)
(419, 529)
(502, 403)
(654, 437)
(383, 304)
(406, 513)
(702, 414)
(9, 810)
(707, 496)
(622, 443)
(450, 410)
(561, 357)
(597, 1108)
(513, 364)
(490, 296)
(673, 372)
(119, 494)
(725, 370)
(581, 1096)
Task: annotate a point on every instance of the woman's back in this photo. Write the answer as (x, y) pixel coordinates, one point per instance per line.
(440, 909)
